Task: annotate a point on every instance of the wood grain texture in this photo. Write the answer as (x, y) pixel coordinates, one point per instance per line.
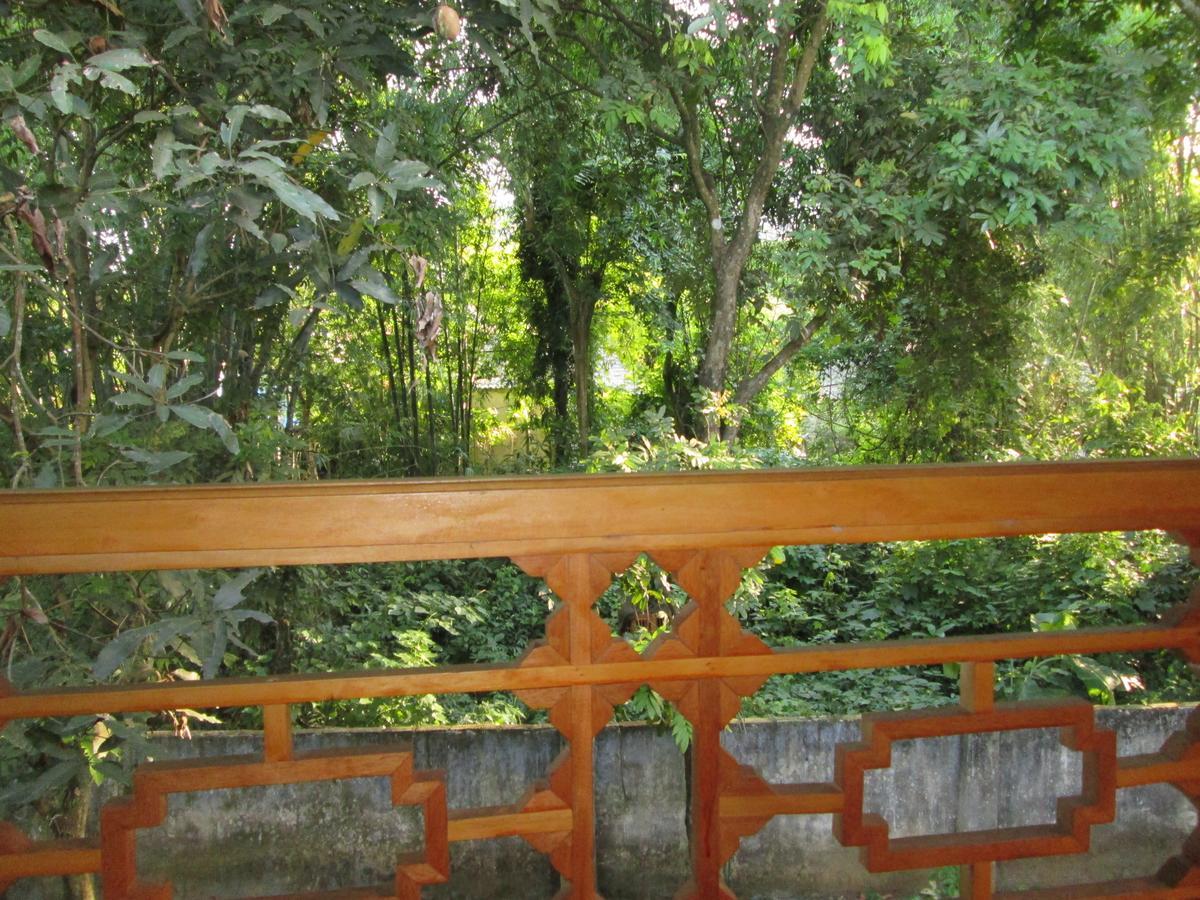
(480, 825)
(540, 671)
(977, 686)
(576, 637)
(277, 732)
(146, 807)
(576, 533)
(22, 857)
(1070, 833)
(976, 882)
(337, 522)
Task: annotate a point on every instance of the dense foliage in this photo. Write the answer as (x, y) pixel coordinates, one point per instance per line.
(243, 240)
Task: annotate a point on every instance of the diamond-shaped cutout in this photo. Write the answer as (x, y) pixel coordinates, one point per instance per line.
(146, 807)
(1070, 833)
(706, 628)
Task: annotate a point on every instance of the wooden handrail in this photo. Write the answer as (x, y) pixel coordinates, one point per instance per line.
(121, 529)
(576, 533)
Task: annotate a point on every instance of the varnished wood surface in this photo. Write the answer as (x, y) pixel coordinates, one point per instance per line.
(332, 522)
(576, 534)
(517, 677)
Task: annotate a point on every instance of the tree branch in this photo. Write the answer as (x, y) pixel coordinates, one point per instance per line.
(776, 122)
(701, 178)
(750, 387)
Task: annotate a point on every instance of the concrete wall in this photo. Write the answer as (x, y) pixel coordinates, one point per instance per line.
(306, 837)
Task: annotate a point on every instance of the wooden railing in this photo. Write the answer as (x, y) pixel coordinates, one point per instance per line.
(576, 533)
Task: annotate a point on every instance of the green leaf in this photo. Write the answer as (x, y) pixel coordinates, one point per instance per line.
(302, 200)
(125, 644)
(118, 82)
(23, 793)
(216, 652)
(375, 203)
(193, 415)
(273, 13)
(225, 433)
(183, 385)
(270, 113)
(385, 147)
(120, 60)
(156, 462)
(52, 40)
(313, 23)
(199, 257)
(233, 124)
(229, 594)
(375, 286)
(157, 376)
(409, 174)
(162, 154)
(361, 180)
(263, 168)
(131, 399)
(185, 356)
(62, 99)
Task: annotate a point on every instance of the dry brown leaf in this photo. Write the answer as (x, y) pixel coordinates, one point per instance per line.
(419, 266)
(35, 614)
(24, 135)
(32, 216)
(60, 237)
(111, 6)
(216, 15)
(429, 324)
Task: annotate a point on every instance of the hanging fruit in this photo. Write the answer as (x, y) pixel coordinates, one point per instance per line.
(446, 22)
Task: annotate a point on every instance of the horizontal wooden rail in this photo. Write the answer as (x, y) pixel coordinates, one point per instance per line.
(339, 522)
(286, 689)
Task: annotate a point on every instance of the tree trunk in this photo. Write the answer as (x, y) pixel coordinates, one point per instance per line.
(722, 328)
(583, 307)
(386, 350)
(433, 466)
(77, 819)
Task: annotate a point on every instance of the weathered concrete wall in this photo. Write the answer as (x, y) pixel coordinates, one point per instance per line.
(306, 837)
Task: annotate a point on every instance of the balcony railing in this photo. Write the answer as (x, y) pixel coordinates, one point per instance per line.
(576, 533)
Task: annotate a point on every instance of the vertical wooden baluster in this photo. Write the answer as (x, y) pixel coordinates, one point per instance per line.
(580, 595)
(277, 732)
(977, 694)
(977, 686)
(706, 756)
(975, 882)
(578, 637)
(710, 579)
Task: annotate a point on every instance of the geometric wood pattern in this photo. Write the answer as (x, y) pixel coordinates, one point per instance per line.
(1096, 803)
(705, 628)
(146, 807)
(575, 533)
(576, 636)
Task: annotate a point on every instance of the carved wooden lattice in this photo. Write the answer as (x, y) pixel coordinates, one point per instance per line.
(705, 665)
